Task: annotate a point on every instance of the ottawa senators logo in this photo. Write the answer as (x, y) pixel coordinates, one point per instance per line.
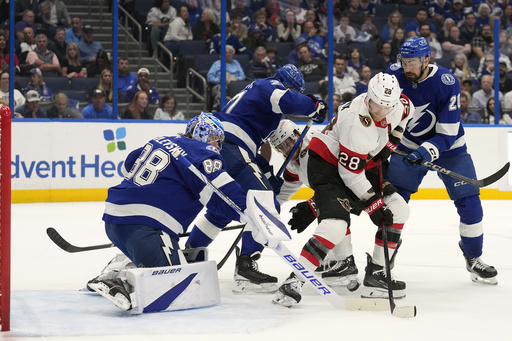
(365, 120)
(345, 204)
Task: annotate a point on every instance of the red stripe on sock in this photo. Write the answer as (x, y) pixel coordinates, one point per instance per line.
(312, 259)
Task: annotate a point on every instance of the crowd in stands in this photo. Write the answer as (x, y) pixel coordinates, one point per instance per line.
(51, 42)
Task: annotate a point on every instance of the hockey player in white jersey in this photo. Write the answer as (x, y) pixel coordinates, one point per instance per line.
(338, 268)
(339, 166)
(155, 203)
(435, 134)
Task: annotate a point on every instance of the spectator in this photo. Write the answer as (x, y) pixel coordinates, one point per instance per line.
(125, 78)
(143, 84)
(271, 57)
(254, 39)
(26, 21)
(259, 67)
(98, 108)
(322, 11)
(72, 65)
(468, 28)
(320, 28)
(496, 8)
(355, 15)
(412, 28)
(273, 9)
(194, 12)
(315, 42)
(384, 58)
(506, 19)
(100, 63)
(58, 45)
(4, 55)
(460, 67)
(267, 31)
(247, 14)
(4, 11)
(234, 72)
(61, 109)
(504, 81)
(232, 40)
(22, 6)
(486, 66)
(456, 11)
(367, 6)
(445, 29)
(179, 30)
(336, 101)
(300, 13)
(236, 26)
(74, 34)
(489, 116)
(344, 33)
(356, 59)
(31, 108)
(138, 108)
(217, 4)
(467, 86)
(455, 44)
(167, 109)
(37, 84)
(28, 45)
(288, 30)
(486, 91)
(369, 28)
(205, 27)
(343, 81)
(433, 42)
(483, 15)
(19, 100)
(505, 44)
(158, 20)
(438, 7)
(313, 69)
(365, 74)
(87, 46)
(53, 14)
(397, 40)
(105, 84)
(468, 116)
(44, 59)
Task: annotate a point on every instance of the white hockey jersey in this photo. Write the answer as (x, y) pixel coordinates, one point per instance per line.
(353, 137)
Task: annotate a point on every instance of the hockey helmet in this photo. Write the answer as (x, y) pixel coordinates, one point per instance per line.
(206, 127)
(286, 129)
(291, 76)
(383, 89)
(414, 47)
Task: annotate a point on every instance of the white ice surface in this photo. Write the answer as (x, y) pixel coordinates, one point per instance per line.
(47, 304)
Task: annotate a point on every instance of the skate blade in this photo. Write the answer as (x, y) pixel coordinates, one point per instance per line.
(285, 301)
(378, 293)
(477, 279)
(119, 300)
(243, 287)
(340, 281)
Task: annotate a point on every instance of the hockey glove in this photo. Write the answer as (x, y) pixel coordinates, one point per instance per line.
(378, 211)
(318, 116)
(303, 214)
(426, 152)
(389, 148)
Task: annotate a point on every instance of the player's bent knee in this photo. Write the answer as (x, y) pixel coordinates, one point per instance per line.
(173, 287)
(334, 230)
(469, 209)
(399, 207)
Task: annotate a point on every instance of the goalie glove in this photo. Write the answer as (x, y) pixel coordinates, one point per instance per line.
(261, 213)
(318, 116)
(303, 214)
(378, 211)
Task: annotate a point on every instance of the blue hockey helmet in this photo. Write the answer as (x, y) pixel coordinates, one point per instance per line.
(208, 128)
(414, 47)
(292, 77)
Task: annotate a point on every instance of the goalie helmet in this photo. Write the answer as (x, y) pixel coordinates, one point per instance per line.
(292, 77)
(286, 129)
(208, 127)
(383, 89)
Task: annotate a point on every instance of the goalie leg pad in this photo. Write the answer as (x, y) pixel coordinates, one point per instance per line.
(174, 287)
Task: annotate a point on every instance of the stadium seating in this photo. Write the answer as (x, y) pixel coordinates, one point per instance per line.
(236, 86)
(80, 96)
(193, 47)
(57, 84)
(83, 84)
(367, 49)
(409, 10)
(384, 10)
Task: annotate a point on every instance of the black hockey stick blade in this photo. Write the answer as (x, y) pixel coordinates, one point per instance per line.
(478, 183)
(68, 247)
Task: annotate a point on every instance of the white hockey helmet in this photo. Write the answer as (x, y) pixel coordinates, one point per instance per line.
(285, 129)
(383, 89)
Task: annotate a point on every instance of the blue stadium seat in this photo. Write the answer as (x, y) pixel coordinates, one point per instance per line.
(444, 62)
(203, 62)
(57, 84)
(384, 10)
(22, 81)
(83, 84)
(283, 50)
(80, 96)
(236, 86)
(409, 10)
(311, 88)
(341, 48)
(367, 49)
(244, 60)
(193, 47)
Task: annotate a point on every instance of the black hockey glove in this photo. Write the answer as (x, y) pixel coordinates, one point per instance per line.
(393, 142)
(303, 214)
(378, 211)
(318, 116)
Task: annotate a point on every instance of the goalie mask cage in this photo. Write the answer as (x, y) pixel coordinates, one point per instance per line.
(5, 218)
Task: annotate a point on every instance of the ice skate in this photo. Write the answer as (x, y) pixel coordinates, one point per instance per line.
(249, 280)
(375, 283)
(479, 271)
(343, 273)
(326, 265)
(289, 292)
(114, 291)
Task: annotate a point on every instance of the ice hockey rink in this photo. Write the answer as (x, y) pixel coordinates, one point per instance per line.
(46, 303)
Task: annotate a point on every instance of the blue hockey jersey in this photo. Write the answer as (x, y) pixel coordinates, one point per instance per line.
(437, 115)
(161, 192)
(254, 113)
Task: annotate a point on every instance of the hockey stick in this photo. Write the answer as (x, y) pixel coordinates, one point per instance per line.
(405, 311)
(231, 248)
(300, 269)
(68, 247)
(478, 183)
(297, 144)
